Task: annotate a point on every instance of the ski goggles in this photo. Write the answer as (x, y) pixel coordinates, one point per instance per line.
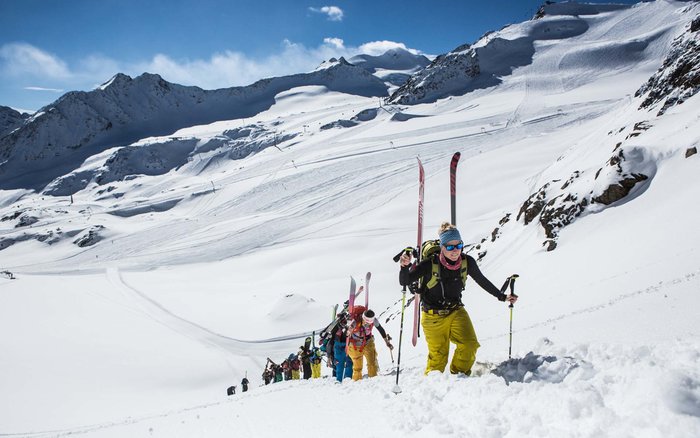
(460, 245)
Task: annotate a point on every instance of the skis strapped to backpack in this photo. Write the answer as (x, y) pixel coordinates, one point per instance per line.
(330, 328)
(367, 278)
(416, 300)
(433, 246)
(351, 305)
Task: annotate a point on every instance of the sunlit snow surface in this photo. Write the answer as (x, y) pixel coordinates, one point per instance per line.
(200, 269)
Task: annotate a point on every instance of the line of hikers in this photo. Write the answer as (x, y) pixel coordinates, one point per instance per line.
(244, 384)
(440, 278)
(345, 345)
(307, 361)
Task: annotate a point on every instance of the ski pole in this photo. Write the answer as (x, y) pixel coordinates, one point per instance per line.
(511, 281)
(397, 388)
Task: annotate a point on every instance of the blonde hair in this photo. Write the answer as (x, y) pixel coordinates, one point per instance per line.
(446, 226)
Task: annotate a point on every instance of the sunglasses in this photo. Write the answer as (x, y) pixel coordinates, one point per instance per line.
(460, 245)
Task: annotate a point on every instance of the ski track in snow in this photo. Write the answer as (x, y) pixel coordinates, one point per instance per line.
(660, 287)
(192, 330)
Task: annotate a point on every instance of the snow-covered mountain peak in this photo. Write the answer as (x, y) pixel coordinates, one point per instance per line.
(398, 59)
(574, 8)
(55, 141)
(333, 62)
(498, 55)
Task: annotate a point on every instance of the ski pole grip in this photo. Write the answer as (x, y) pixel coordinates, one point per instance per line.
(512, 286)
(505, 285)
(408, 250)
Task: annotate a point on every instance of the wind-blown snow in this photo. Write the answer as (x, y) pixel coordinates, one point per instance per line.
(141, 298)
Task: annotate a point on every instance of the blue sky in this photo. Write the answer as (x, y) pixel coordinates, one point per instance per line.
(49, 47)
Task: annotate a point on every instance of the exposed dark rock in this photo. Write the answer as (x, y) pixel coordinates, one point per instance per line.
(533, 206)
(504, 220)
(27, 220)
(339, 124)
(642, 126)
(549, 245)
(91, 238)
(575, 175)
(678, 79)
(690, 152)
(617, 191)
(11, 217)
(554, 218)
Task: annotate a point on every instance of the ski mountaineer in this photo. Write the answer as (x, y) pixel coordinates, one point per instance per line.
(305, 354)
(316, 357)
(336, 351)
(294, 366)
(361, 341)
(444, 318)
(244, 384)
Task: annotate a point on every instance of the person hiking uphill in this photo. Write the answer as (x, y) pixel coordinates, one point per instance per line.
(305, 355)
(361, 341)
(336, 351)
(444, 319)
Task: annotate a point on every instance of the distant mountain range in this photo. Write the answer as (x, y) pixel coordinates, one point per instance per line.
(35, 150)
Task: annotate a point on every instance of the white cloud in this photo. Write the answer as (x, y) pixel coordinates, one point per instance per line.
(53, 90)
(376, 48)
(334, 42)
(20, 62)
(21, 59)
(334, 13)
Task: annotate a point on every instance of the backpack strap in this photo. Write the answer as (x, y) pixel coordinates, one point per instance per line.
(435, 273)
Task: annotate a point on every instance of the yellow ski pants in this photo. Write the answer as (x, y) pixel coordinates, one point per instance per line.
(439, 331)
(296, 374)
(370, 353)
(315, 370)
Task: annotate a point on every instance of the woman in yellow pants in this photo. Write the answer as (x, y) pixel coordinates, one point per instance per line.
(361, 342)
(441, 279)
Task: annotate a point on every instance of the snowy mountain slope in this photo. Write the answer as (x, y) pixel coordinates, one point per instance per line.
(679, 77)
(394, 59)
(10, 119)
(394, 66)
(123, 110)
(567, 27)
(200, 266)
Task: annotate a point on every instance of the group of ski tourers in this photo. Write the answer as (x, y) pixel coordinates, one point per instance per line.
(307, 361)
(344, 345)
(436, 273)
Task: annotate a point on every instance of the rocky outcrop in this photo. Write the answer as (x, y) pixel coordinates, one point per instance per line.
(90, 237)
(678, 79)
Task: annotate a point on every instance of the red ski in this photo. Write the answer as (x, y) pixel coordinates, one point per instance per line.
(416, 301)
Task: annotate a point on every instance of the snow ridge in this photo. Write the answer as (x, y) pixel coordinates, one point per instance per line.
(81, 124)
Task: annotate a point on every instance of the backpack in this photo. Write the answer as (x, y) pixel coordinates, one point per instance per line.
(428, 250)
(358, 336)
(356, 314)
